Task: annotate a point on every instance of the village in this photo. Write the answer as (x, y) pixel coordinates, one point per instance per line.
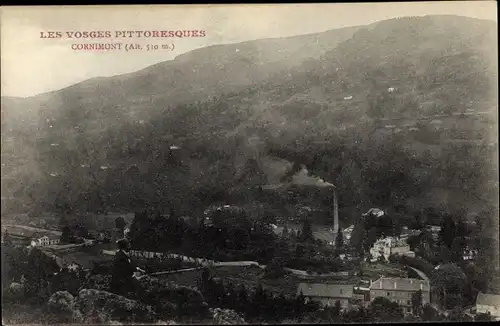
(383, 272)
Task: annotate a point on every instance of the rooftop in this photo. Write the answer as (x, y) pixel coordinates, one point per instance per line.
(392, 242)
(326, 290)
(488, 299)
(374, 212)
(401, 284)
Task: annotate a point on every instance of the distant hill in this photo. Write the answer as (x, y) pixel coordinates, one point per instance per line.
(375, 109)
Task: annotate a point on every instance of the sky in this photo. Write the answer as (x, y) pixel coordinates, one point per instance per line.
(31, 65)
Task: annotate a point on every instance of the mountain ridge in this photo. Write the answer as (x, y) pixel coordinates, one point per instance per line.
(298, 111)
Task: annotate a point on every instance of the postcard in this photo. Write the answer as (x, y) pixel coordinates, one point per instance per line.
(250, 163)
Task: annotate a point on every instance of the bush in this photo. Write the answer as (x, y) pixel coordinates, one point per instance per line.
(226, 317)
(98, 282)
(275, 269)
(170, 299)
(101, 307)
(61, 308)
(415, 262)
(14, 293)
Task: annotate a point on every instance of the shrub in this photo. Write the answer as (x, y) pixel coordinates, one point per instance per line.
(61, 307)
(226, 317)
(101, 307)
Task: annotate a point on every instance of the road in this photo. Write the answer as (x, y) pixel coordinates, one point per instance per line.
(421, 274)
(208, 262)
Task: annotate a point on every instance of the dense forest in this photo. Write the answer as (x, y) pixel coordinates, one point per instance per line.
(122, 143)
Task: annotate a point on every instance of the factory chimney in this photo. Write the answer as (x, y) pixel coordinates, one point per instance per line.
(335, 213)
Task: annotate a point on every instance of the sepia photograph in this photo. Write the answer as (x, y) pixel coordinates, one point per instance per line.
(321, 163)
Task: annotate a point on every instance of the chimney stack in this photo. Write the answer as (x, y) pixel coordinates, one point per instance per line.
(335, 213)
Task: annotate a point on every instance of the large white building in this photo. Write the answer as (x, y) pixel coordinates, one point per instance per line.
(390, 246)
(488, 303)
(400, 290)
(327, 294)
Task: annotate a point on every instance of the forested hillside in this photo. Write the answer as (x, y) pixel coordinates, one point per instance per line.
(396, 114)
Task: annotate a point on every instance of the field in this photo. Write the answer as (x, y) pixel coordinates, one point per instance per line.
(83, 256)
(46, 221)
(373, 271)
(27, 231)
(153, 265)
(93, 222)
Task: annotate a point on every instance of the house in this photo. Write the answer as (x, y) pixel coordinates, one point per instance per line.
(375, 212)
(390, 246)
(400, 290)
(73, 266)
(327, 294)
(470, 254)
(488, 303)
(44, 241)
(53, 240)
(347, 233)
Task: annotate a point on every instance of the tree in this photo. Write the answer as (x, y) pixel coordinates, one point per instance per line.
(457, 249)
(275, 269)
(242, 296)
(414, 241)
(299, 251)
(82, 231)
(306, 234)
(450, 283)
(429, 313)
(204, 279)
(448, 231)
(369, 239)
(67, 236)
(337, 308)
(7, 238)
(300, 299)
(63, 221)
(285, 232)
(120, 223)
(269, 218)
(382, 309)
(339, 241)
(368, 256)
(416, 302)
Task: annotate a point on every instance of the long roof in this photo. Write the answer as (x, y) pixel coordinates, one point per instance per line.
(326, 290)
(400, 284)
(488, 299)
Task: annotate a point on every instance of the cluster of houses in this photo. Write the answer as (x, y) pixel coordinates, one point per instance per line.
(350, 296)
(398, 290)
